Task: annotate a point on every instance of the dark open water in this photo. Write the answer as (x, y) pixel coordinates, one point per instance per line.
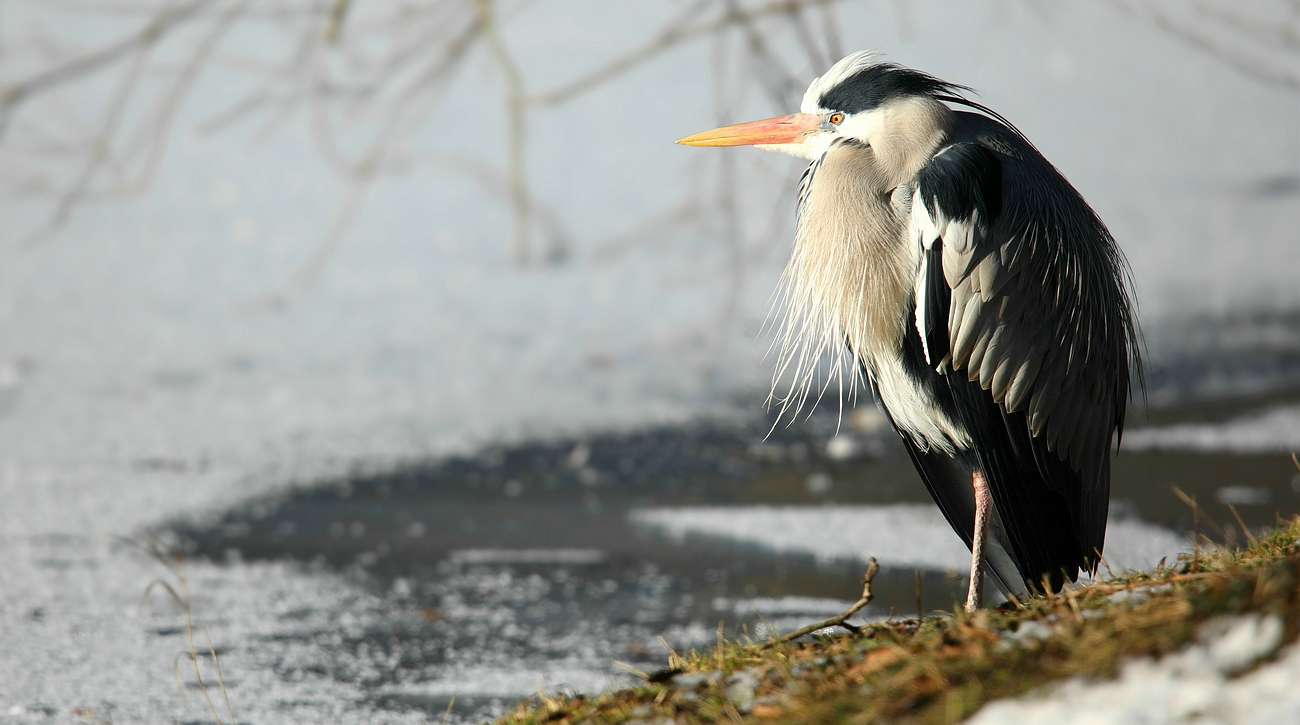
(522, 559)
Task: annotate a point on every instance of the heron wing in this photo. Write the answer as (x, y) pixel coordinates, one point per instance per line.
(1021, 292)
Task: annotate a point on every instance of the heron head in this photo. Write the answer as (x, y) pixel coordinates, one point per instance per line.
(857, 99)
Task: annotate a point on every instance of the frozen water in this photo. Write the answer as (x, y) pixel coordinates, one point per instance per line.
(78, 637)
(901, 535)
(1276, 430)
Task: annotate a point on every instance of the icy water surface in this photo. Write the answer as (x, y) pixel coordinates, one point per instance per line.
(555, 559)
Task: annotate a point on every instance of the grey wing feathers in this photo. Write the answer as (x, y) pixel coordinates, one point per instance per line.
(1040, 311)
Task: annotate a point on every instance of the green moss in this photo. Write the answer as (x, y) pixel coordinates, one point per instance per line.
(945, 668)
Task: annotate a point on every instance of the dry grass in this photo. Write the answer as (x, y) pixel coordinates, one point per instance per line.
(943, 669)
(179, 592)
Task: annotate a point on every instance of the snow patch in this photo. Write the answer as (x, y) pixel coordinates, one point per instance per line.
(1195, 685)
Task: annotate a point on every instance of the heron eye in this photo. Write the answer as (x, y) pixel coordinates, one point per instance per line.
(836, 119)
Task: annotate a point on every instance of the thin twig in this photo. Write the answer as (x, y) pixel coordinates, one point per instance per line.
(674, 660)
(99, 144)
(189, 639)
(1232, 55)
(334, 25)
(777, 80)
(95, 61)
(364, 105)
(447, 715)
(174, 563)
(516, 108)
(920, 610)
(831, 29)
(1244, 528)
(1198, 512)
(494, 182)
(665, 41)
(631, 668)
(839, 620)
(221, 679)
(306, 276)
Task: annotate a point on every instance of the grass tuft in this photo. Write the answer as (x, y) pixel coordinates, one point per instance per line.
(943, 668)
(174, 563)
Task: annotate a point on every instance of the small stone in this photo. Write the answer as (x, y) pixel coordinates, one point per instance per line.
(690, 680)
(842, 448)
(1031, 630)
(819, 483)
(740, 690)
(1128, 596)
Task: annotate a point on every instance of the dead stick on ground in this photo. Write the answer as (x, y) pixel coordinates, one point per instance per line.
(840, 620)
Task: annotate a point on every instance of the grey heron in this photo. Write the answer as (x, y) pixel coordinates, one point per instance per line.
(985, 303)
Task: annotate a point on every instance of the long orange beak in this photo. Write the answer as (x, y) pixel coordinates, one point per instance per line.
(779, 130)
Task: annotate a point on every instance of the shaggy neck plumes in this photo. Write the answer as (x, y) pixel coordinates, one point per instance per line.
(848, 282)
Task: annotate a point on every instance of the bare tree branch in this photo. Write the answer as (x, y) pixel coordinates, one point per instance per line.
(367, 77)
(306, 276)
(1265, 49)
(334, 26)
(665, 41)
(515, 108)
(95, 61)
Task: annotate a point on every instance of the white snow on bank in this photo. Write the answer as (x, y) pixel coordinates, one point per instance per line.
(1196, 685)
(1272, 431)
(898, 535)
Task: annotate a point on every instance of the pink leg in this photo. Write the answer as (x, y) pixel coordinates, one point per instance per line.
(983, 503)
